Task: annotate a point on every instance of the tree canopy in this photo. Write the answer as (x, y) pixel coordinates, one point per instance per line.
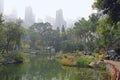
(109, 7)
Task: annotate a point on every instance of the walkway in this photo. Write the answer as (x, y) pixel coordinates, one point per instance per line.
(117, 66)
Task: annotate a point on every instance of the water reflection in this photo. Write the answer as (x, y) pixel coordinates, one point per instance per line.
(40, 68)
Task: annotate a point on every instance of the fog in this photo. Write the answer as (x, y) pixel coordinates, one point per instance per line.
(41, 8)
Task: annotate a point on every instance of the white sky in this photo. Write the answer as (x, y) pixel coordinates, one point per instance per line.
(71, 8)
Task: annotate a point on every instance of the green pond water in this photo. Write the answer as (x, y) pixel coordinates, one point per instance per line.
(41, 68)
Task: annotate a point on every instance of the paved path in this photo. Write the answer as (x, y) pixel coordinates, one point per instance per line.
(117, 64)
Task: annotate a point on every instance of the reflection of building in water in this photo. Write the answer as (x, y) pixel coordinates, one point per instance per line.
(60, 20)
(1, 6)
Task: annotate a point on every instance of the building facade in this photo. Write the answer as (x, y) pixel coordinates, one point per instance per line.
(1, 6)
(60, 22)
(29, 17)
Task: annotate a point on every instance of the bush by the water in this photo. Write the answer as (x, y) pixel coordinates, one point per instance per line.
(66, 61)
(15, 57)
(82, 61)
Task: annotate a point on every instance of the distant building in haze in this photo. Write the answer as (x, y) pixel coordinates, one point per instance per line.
(39, 20)
(11, 17)
(1, 6)
(50, 20)
(60, 22)
(29, 17)
(70, 23)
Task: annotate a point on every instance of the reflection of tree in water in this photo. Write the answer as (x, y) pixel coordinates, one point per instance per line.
(11, 72)
(82, 74)
(43, 69)
(79, 74)
(40, 68)
(103, 75)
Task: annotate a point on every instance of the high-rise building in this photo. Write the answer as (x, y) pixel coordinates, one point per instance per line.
(29, 17)
(1, 6)
(60, 22)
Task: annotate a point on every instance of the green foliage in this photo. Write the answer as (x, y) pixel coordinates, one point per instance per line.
(10, 35)
(93, 19)
(82, 28)
(1, 19)
(14, 32)
(108, 34)
(59, 54)
(109, 7)
(102, 66)
(82, 61)
(108, 27)
(26, 46)
(41, 35)
(2, 34)
(85, 31)
(96, 55)
(18, 56)
(80, 37)
(66, 46)
(63, 29)
(1, 59)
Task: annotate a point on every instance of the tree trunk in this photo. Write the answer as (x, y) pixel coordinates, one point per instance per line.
(7, 46)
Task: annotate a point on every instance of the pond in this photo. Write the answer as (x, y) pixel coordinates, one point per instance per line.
(41, 68)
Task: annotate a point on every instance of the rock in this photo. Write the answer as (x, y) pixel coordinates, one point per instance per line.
(9, 61)
(96, 64)
(93, 65)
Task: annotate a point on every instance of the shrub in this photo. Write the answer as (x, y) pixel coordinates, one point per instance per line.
(103, 66)
(65, 61)
(82, 62)
(102, 56)
(1, 59)
(95, 55)
(18, 56)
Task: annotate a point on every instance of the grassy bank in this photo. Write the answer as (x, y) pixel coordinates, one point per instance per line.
(75, 59)
(80, 60)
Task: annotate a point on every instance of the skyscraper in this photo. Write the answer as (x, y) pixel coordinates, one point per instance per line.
(60, 20)
(29, 17)
(1, 6)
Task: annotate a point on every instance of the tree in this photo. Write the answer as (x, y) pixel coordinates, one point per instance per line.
(1, 19)
(92, 35)
(109, 27)
(2, 33)
(43, 29)
(63, 34)
(14, 33)
(93, 19)
(108, 34)
(82, 29)
(44, 36)
(109, 7)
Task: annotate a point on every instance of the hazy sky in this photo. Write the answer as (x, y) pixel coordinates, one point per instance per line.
(71, 8)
